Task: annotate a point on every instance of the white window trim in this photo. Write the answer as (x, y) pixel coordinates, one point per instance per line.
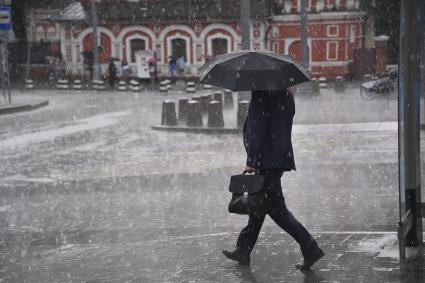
(128, 45)
(327, 51)
(188, 49)
(328, 29)
(49, 32)
(219, 35)
(275, 47)
(40, 33)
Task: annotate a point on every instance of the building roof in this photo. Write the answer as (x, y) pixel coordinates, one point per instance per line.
(165, 10)
(73, 12)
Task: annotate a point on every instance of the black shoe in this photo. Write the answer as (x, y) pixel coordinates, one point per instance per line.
(310, 260)
(243, 259)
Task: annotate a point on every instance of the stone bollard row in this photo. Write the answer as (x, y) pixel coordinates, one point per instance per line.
(339, 84)
(215, 114)
(169, 117)
(243, 107)
(228, 98)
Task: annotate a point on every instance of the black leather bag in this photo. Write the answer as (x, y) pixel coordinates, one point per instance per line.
(248, 194)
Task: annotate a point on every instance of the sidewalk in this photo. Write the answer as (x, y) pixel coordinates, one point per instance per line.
(21, 107)
(99, 197)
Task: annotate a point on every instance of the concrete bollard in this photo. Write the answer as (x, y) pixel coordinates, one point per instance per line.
(218, 96)
(190, 87)
(228, 98)
(323, 82)
(77, 85)
(339, 84)
(135, 86)
(315, 86)
(169, 117)
(29, 84)
(207, 87)
(122, 86)
(99, 85)
(168, 84)
(215, 114)
(194, 116)
(243, 107)
(163, 86)
(183, 109)
(204, 101)
(62, 84)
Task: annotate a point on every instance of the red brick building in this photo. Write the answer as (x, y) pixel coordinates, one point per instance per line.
(199, 29)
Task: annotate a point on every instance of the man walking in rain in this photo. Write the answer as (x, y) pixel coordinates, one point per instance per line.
(267, 140)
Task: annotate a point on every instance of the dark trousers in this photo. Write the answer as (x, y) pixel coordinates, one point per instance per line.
(280, 214)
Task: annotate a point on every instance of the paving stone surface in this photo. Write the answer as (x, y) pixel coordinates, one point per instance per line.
(89, 193)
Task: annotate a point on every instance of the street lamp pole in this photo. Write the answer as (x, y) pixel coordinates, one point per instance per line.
(96, 66)
(304, 34)
(245, 23)
(4, 58)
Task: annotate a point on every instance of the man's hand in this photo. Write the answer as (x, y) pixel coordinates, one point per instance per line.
(249, 169)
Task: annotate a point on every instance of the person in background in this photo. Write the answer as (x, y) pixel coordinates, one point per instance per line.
(112, 73)
(172, 66)
(181, 66)
(125, 69)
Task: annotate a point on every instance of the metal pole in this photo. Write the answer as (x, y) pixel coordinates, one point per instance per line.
(6, 52)
(245, 23)
(96, 66)
(2, 72)
(304, 34)
(409, 108)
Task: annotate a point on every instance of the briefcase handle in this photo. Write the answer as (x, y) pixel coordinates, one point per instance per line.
(255, 173)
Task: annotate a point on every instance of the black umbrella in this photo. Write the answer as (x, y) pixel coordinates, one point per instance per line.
(253, 70)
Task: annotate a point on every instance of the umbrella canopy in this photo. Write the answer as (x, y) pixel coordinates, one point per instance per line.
(253, 70)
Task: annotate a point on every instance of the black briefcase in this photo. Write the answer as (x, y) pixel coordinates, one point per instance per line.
(248, 194)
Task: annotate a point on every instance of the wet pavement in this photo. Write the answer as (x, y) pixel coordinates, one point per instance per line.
(89, 193)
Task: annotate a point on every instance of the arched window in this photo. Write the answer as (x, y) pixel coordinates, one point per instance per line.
(51, 33)
(40, 34)
(219, 46)
(136, 44)
(178, 48)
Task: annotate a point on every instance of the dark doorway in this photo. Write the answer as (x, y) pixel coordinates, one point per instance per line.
(178, 48)
(136, 45)
(219, 46)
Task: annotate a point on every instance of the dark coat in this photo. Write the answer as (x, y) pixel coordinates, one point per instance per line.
(268, 129)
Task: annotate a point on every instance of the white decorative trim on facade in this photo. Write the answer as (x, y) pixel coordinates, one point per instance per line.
(289, 41)
(227, 28)
(327, 50)
(321, 16)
